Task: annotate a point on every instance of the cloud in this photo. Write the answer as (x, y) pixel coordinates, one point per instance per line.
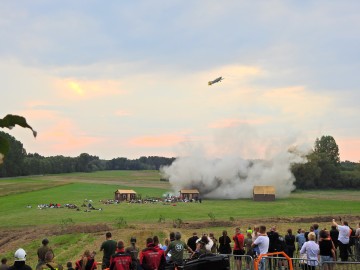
(231, 122)
(87, 89)
(157, 141)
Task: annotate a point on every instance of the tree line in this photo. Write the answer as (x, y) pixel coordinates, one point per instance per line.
(323, 169)
(20, 163)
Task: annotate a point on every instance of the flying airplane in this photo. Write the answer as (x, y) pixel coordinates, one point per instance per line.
(216, 80)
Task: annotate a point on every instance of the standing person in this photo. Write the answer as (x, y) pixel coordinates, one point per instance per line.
(3, 265)
(290, 243)
(19, 261)
(151, 257)
(69, 266)
(49, 263)
(300, 239)
(238, 250)
(176, 248)
(249, 250)
(214, 247)
(327, 250)
(133, 250)
(191, 242)
(273, 239)
(311, 249)
(262, 242)
(109, 248)
(343, 239)
(41, 252)
(224, 243)
(357, 242)
(121, 260)
(254, 235)
(334, 235)
(87, 262)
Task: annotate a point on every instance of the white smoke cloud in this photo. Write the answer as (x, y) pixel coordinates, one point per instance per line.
(222, 173)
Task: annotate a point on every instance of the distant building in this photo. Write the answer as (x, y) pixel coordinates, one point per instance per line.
(189, 194)
(125, 195)
(264, 193)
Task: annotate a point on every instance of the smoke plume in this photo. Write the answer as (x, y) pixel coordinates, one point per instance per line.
(221, 172)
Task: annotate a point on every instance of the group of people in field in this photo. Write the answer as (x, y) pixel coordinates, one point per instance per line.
(315, 247)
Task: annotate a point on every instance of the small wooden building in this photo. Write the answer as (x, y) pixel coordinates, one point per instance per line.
(264, 193)
(189, 194)
(125, 195)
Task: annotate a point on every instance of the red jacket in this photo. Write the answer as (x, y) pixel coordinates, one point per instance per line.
(152, 258)
(121, 261)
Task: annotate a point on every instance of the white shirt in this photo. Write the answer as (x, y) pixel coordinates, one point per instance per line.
(344, 232)
(312, 250)
(263, 243)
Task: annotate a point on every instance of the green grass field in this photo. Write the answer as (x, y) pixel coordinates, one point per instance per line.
(25, 227)
(17, 193)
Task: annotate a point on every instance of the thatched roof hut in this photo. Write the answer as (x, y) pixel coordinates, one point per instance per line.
(125, 195)
(264, 193)
(189, 194)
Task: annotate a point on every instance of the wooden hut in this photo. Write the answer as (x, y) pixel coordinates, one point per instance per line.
(264, 193)
(189, 194)
(125, 195)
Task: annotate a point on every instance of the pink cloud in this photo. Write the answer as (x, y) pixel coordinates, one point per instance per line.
(157, 141)
(233, 122)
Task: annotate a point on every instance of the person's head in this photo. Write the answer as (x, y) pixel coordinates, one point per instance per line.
(204, 240)
(289, 231)
(156, 240)
(333, 227)
(311, 228)
(20, 255)
(49, 256)
(3, 260)
(345, 223)
(211, 235)
(194, 233)
(93, 254)
(316, 226)
(262, 229)
(45, 241)
(149, 241)
(248, 234)
(108, 235)
(69, 264)
(237, 230)
(120, 244)
(133, 240)
(311, 236)
(256, 228)
(302, 231)
(177, 236)
(273, 229)
(172, 236)
(166, 241)
(323, 234)
(224, 233)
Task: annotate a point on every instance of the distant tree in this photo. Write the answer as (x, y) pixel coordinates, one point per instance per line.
(327, 148)
(12, 165)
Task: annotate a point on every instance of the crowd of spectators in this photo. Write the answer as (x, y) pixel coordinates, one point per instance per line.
(313, 247)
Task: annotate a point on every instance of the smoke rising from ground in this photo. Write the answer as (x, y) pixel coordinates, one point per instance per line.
(223, 173)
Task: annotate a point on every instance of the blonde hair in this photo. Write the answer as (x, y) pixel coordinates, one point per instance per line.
(311, 236)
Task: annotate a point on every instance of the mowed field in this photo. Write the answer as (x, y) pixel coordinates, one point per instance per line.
(71, 232)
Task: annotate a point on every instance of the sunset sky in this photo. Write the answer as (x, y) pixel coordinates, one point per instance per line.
(129, 78)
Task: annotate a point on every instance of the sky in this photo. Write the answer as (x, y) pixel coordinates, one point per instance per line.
(130, 78)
